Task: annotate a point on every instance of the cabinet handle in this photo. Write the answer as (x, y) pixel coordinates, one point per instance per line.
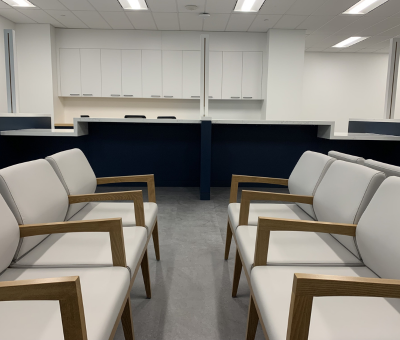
(87, 94)
(210, 97)
(195, 96)
(235, 97)
(128, 95)
(247, 97)
(115, 95)
(74, 94)
(168, 96)
(155, 96)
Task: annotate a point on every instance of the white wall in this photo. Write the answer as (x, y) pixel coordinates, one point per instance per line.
(339, 86)
(4, 24)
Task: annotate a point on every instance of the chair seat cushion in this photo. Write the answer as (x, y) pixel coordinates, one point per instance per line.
(288, 211)
(295, 248)
(84, 250)
(103, 293)
(126, 211)
(333, 318)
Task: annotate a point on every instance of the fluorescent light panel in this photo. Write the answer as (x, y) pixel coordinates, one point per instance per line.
(350, 42)
(248, 5)
(19, 3)
(364, 6)
(138, 5)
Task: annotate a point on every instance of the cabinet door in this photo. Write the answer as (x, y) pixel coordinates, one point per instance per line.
(191, 74)
(215, 75)
(172, 74)
(151, 74)
(252, 75)
(232, 75)
(111, 73)
(90, 72)
(70, 72)
(132, 73)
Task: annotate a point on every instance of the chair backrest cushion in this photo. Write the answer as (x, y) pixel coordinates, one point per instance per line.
(34, 194)
(378, 232)
(76, 174)
(345, 157)
(343, 195)
(9, 235)
(306, 176)
(389, 170)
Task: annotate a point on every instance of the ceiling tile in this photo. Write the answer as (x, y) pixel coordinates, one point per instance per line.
(264, 22)
(240, 22)
(305, 7)
(216, 22)
(41, 17)
(77, 5)
(361, 24)
(166, 21)
(314, 49)
(4, 5)
(106, 5)
(381, 27)
(220, 6)
(336, 24)
(276, 6)
(313, 22)
(190, 22)
(394, 32)
(388, 8)
(384, 51)
(92, 19)
(335, 7)
(201, 4)
(330, 41)
(48, 4)
(313, 39)
(67, 18)
(163, 6)
(15, 16)
(117, 20)
(290, 21)
(142, 20)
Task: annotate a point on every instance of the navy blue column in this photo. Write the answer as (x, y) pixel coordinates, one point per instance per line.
(205, 162)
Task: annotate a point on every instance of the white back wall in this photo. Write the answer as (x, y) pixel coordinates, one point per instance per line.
(4, 25)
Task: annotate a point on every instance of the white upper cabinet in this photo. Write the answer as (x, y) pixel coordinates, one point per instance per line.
(132, 73)
(151, 74)
(91, 72)
(70, 72)
(252, 75)
(191, 74)
(232, 75)
(111, 73)
(215, 75)
(172, 74)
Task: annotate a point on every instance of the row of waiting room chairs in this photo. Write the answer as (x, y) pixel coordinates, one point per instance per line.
(324, 264)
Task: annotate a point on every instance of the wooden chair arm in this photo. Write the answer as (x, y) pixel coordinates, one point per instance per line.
(236, 179)
(266, 225)
(67, 290)
(248, 196)
(112, 226)
(306, 287)
(135, 196)
(149, 179)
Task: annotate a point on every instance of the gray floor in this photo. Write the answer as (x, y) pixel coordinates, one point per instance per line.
(191, 285)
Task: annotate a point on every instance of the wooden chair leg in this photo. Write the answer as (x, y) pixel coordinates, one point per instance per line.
(126, 319)
(228, 241)
(252, 320)
(146, 274)
(236, 274)
(156, 242)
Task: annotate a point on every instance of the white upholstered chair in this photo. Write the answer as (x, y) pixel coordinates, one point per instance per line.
(323, 302)
(388, 169)
(346, 158)
(62, 303)
(341, 197)
(35, 194)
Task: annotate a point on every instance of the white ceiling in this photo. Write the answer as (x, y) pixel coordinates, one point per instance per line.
(322, 19)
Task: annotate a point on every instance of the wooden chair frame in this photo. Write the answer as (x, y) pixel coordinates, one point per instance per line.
(247, 197)
(67, 290)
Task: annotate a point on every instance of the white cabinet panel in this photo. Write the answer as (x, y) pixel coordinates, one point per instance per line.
(70, 72)
(90, 72)
(131, 73)
(232, 75)
(191, 74)
(252, 75)
(172, 74)
(151, 74)
(215, 75)
(111, 73)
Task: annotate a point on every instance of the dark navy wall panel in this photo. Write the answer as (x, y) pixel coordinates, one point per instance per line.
(18, 123)
(375, 127)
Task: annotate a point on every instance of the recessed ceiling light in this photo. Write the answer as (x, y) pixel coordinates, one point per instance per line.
(349, 42)
(248, 5)
(19, 3)
(364, 6)
(191, 7)
(134, 4)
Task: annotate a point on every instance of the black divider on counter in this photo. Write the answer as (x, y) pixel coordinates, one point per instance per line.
(18, 123)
